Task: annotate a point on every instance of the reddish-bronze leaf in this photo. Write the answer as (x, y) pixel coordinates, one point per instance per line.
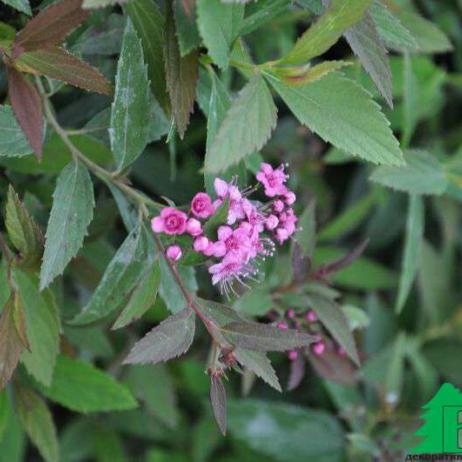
(10, 343)
(27, 106)
(182, 73)
(57, 63)
(50, 27)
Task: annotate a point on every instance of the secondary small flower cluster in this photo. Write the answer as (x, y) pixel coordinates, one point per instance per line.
(247, 234)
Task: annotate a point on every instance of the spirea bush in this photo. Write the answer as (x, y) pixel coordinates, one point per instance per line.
(231, 229)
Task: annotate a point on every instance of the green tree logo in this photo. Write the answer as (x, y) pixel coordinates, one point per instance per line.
(442, 430)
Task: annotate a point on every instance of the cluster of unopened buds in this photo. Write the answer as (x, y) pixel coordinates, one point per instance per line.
(248, 232)
(307, 320)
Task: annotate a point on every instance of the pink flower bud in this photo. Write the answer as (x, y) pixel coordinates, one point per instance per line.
(271, 222)
(157, 224)
(311, 316)
(221, 187)
(193, 227)
(282, 235)
(290, 197)
(174, 252)
(282, 325)
(293, 355)
(318, 348)
(278, 206)
(200, 244)
(219, 249)
(291, 313)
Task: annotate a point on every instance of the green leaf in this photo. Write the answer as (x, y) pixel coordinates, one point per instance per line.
(38, 422)
(429, 38)
(378, 276)
(349, 219)
(219, 25)
(23, 232)
(218, 402)
(444, 354)
(266, 427)
(340, 15)
(72, 212)
(343, 113)
(20, 5)
(81, 387)
(128, 131)
(186, 27)
(171, 338)
(411, 101)
(160, 400)
(255, 302)
(259, 364)
(13, 143)
(42, 327)
(390, 28)
(88, 4)
(12, 444)
(246, 127)
(364, 40)
(3, 413)
(259, 13)
(181, 73)
(423, 174)
(150, 24)
(218, 104)
(124, 272)
(56, 155)
(142, 298)
(412, 249)
(306, 237)
(169, 290)
(263, 337)
(334, 320)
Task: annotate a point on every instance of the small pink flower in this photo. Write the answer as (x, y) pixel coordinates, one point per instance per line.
(171, 221)
(174, 252)
(201, 244)
(223, 190)
(193, 227)
(290, 313)
(219, 249)
(318, 348)
(272, 222)
(226, 270)
(234, 241)
(273, 180)
(290, 197)
(201, 205)
(311, 316)
(293, 355)
(282, 325)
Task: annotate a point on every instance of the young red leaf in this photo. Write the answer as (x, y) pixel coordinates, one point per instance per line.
(11, 344)
(50, 27)
(182, 73)
(218, 401)
(27, 106)
(297, 371)
(57, 63)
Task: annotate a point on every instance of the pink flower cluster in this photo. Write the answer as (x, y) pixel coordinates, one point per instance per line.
(242, 241)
